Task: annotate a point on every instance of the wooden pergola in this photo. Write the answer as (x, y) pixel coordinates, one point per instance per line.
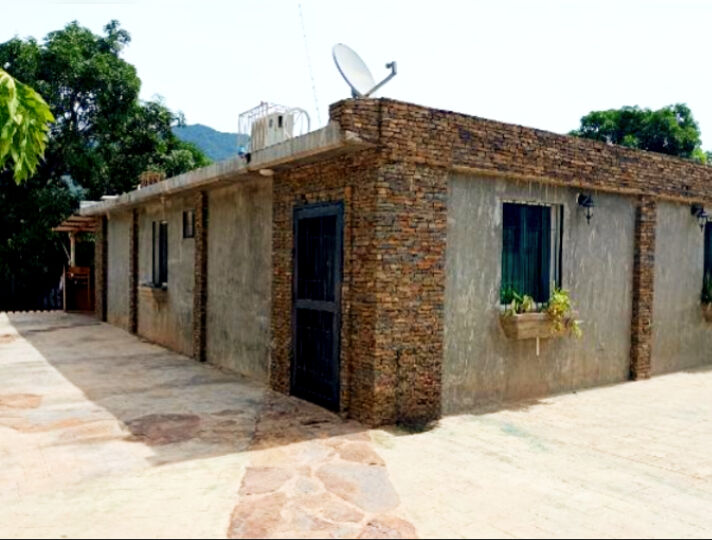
(74, 225)
(77, 224)
(78, 278)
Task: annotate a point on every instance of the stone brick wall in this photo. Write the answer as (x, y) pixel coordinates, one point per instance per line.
(643, 275)
(100, 263)
(133, 273)
(393, 289)
(417, 145)
(353, 181)
(437, 138)
(200, 289)
(410, 288)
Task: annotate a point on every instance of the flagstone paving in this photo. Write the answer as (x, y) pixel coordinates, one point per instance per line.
(105, 435)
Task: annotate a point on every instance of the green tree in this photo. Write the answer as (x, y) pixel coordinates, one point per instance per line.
(102, 138)
(670, 130)
(24, 124)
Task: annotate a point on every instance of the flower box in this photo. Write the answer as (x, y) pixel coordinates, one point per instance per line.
(531, 326)
(151, 292)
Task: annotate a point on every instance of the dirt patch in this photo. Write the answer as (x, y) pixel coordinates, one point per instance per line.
(20, 401)
(161, 429)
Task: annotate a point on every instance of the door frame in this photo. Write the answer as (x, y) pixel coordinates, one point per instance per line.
(321, 209)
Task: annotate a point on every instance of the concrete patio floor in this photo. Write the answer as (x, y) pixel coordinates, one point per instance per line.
(104, 435)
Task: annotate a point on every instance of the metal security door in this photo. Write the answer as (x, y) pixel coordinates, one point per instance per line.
(316, 313)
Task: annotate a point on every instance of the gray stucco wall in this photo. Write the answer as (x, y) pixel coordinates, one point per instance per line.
(239, 277)
(167, 321)
(117, 292)
(481, 366)
(681, 337)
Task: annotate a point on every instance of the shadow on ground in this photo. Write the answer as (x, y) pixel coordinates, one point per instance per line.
(182, 409)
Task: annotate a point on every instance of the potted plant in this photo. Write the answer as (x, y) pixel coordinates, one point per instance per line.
(707, 297)
(156, 293)
(523, 318)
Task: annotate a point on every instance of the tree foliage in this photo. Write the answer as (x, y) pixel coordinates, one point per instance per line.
(670, 130)
(103, 136)
(101, 140)
(24, 124)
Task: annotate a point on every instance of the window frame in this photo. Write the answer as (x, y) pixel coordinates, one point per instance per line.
(188, 223)
(707, 252)
(159, 252)
(555, 246)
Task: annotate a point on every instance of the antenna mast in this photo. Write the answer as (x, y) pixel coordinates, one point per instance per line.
(309, 64)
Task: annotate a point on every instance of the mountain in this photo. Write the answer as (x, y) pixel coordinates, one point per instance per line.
(217, 145)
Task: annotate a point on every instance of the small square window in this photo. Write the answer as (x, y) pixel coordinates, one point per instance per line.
(531, 250)
(189, 224)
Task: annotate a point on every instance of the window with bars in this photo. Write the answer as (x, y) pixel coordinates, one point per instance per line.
(160, 253)
(531, 250)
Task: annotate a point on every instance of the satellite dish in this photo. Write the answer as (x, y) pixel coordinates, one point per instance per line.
(356, 73)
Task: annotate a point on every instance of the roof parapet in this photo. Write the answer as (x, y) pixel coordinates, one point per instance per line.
(318, 144)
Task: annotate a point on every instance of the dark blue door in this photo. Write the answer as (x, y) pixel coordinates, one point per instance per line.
(316, 316)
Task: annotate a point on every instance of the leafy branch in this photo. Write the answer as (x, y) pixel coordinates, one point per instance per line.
(24, 126)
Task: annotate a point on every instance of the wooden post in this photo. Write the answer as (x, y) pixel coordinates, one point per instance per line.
(72, 249)
(64, 288)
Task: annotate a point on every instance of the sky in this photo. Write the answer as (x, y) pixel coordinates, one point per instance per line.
(541, 64)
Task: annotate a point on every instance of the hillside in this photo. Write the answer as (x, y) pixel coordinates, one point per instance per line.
(217, 145)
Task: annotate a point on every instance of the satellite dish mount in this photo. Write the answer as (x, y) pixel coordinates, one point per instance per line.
(356, 73)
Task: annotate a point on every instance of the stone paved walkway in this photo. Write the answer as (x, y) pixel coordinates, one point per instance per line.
(104, 435)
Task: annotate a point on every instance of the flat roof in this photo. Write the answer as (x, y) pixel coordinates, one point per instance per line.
(328, 141)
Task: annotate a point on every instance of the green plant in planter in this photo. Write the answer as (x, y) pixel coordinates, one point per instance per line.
(707, 289)
(517, 303)
(559, 309)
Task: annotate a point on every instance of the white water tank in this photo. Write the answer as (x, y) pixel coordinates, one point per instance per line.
(273, 128)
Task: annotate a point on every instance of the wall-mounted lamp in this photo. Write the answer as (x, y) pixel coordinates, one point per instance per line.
(586, 202)
(698, 211)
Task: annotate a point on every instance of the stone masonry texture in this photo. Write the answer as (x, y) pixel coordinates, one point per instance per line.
(200, 289)
(100, 263)
(643, 275)
(395, 237)
(332, 181)
(454, 141)
(393, 279)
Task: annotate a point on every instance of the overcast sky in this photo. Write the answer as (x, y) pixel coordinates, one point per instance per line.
(541, 64)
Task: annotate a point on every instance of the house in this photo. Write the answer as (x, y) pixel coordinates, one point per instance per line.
(361, 266)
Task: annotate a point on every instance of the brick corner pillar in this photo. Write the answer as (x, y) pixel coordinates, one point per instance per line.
(100, 269)
(133, 273)
(411, 290)
(200, 287)
(643, 273)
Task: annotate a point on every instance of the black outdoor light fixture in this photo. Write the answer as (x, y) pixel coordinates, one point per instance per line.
(698, 211)
(586, 202)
